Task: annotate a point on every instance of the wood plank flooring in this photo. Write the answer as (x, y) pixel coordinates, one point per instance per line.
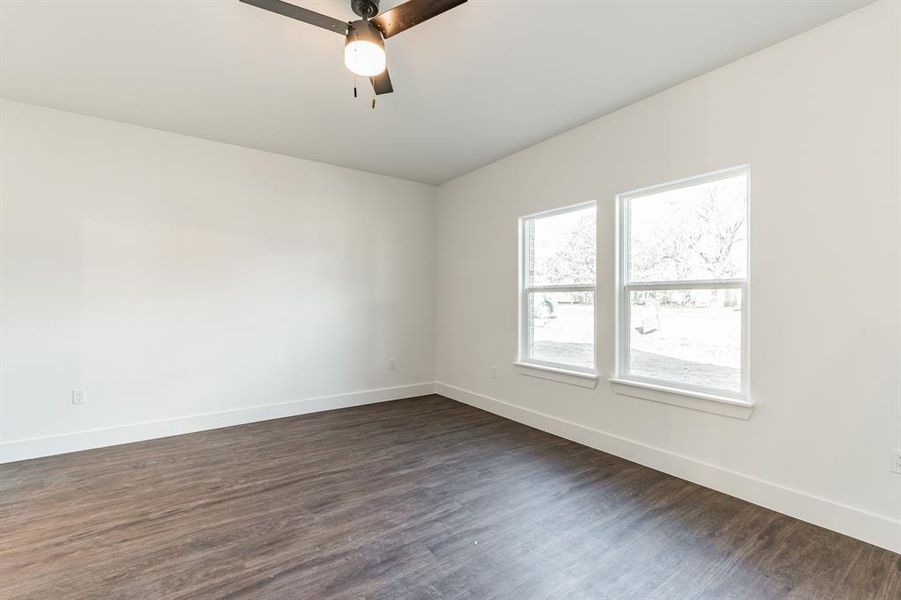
(419, 498)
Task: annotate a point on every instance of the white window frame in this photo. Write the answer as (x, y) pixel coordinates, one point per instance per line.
(525, 290)
(624, 288)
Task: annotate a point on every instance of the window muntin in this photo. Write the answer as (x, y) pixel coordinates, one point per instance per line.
(559, 272)
(683, 275)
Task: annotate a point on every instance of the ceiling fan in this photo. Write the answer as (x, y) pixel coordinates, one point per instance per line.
(364, 39)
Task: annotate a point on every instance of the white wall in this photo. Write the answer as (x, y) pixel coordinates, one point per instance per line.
(172, 277)
(817, 118)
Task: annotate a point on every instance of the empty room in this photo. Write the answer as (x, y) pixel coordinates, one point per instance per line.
(448, 299)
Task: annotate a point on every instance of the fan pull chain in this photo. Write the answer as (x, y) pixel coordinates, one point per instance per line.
(355, 75)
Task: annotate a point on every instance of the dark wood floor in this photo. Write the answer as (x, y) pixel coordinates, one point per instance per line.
(420, 498)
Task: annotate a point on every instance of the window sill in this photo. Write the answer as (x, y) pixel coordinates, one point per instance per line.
(585, 380)
(710, 403)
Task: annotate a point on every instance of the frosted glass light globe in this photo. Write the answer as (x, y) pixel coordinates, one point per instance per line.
(364, 58)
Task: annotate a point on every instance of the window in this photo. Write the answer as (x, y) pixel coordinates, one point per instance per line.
(559, 264)
(682, 309)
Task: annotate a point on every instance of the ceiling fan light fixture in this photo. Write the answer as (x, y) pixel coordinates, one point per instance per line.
(364, 50)
(364, 39)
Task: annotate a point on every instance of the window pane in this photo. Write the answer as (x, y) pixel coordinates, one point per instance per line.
(562, 248)
(687, 336)
(561, 328)
(695, 232)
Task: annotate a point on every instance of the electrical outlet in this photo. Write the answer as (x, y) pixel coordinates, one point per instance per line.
(392, 363)
(494, 372)
(79, 397)
(896, 461)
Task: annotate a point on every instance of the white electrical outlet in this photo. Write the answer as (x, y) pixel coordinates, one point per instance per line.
(494, 372)
(392, 363)
(896, 461)
(79, 397)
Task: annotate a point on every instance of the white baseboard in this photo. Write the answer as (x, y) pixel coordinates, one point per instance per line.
(16, 450)
(875, 529)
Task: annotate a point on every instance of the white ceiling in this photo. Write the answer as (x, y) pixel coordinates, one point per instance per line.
(473, 85)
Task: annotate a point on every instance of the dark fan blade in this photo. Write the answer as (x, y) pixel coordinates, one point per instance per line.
(408, 14)
(301, 14)
(382, 83)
